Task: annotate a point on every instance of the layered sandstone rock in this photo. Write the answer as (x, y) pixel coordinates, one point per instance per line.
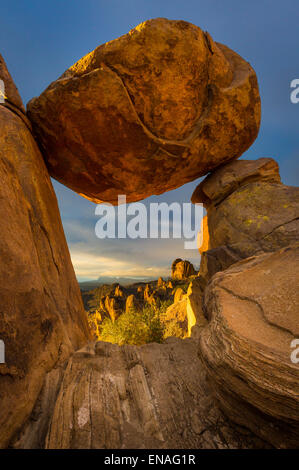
(151, 396)
(42, 320)
(252, 309)
(249, 211)
(126, 116)
(181, 270)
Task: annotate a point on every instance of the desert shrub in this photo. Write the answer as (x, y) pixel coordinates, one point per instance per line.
(135, 327)
(173, 329)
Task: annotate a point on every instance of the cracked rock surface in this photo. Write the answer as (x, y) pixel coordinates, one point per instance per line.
(147, 112)
(252, 309)
(151, 396)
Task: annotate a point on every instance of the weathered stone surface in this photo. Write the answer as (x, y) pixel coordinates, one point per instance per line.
(34, 432)
(126, 116)
(249, 212)
(228, 178)
(181, 270)
(253, 317)
(42, 320)
(151, 396)
(175, 319)
(185, 316)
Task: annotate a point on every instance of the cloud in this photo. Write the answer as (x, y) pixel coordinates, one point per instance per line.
(92, 266)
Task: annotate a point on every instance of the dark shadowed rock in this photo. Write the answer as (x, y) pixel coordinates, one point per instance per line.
(125, 117)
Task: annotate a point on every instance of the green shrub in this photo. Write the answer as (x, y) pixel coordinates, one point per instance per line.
(135, 327)
(173, 329)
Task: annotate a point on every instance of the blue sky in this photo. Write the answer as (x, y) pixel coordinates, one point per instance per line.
(41, 38)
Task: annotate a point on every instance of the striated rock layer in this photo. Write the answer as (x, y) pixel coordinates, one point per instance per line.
(42, 320)
(151, 396)
(128, 115)
(253, 315)
(249, 211)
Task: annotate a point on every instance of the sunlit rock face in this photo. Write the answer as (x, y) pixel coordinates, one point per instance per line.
(252, 309)
(185, 312)
(249, 211)
(42, 320)
(147, 112)
(182, 269)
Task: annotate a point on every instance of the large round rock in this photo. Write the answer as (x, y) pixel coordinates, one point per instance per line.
(146, 113)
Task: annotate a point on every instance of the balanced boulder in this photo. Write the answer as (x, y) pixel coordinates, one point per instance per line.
(125, 117)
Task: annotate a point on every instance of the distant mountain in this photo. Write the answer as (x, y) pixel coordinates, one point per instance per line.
(124, 281)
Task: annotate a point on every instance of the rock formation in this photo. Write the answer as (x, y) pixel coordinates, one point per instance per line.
(42, 320)
(181, 270)
(127, 115)
(185, 316)
(175, 319)
(152, 396)
(119, 291)
(252, 309)
(178, 294)
(114, 306)
(132, 303)
(249, 211)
